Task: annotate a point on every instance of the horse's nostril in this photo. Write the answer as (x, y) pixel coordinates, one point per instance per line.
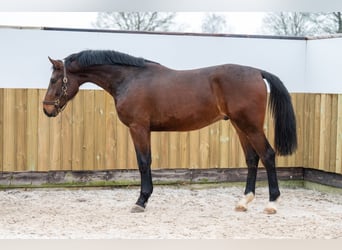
(48, 113)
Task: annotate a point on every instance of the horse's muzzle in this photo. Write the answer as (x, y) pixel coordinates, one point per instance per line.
(50, 113)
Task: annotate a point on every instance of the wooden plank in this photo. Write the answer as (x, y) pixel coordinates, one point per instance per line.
(313, 137)
(323, 131)
(183, 150)
(194, 149)
(230, 134)
(164, 150)
(338, 168)
(55, 143)
(308, 134)
(88, 133)
(66, 137)
(34, 107)
(77, 131)
(332, 141)
(100, 129)
(20, 128)
(9, 128)
(305, 131)
(214, 145)
(300, 113)
(224, 140)
(111, 134)
(155, 148)
(291, 159)
(43, 137)
(204, 147)
(173, 150)
(316, 131)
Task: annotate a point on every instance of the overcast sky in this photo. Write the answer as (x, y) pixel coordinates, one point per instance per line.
(238, 22)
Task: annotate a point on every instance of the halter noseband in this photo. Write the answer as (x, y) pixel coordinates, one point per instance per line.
(56, 102)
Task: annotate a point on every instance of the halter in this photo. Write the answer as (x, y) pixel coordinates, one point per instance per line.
(56, 102)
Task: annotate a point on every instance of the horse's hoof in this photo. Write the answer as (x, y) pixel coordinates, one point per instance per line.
(271, 208)
(242, 205)
(240, 208)
(137, 209)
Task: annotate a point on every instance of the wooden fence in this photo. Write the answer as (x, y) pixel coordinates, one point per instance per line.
(88, 136)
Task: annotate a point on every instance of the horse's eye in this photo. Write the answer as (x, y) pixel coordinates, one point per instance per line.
(53, 80)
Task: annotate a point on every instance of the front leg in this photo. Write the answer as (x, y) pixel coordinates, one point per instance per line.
(141, 139)
(146, 185)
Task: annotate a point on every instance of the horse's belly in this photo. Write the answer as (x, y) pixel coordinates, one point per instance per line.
(184, 123)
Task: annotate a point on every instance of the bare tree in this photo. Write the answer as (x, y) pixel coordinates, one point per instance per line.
(137, 21)
(330, 23)
(214, 23)
(338, 20)
(303, 24)
(289, 24)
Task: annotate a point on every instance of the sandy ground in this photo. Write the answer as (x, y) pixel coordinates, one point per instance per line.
(184, 212)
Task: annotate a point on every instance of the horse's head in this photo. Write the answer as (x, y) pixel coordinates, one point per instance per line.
(62, 88)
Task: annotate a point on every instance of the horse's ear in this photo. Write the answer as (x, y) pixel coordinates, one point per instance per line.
(56, 63)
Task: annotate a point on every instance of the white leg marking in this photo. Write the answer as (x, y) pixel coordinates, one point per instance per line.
(242, 204)
(137, 209)
(271, 207)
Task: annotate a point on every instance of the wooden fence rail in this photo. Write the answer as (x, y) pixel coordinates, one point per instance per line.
(88, 136)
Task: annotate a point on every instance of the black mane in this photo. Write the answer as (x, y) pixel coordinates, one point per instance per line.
(105, 57)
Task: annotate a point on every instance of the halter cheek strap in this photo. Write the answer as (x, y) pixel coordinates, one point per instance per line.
(64, 92)
(65, 79)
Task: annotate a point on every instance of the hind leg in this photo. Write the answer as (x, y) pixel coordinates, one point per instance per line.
(267, 156)
(261, 146)
(252, 160)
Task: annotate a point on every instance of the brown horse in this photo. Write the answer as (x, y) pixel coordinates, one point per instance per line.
(150, 97)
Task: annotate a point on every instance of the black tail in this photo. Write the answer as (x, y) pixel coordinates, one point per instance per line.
(285, 136)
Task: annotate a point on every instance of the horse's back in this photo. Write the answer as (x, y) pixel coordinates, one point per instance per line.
(174, 100)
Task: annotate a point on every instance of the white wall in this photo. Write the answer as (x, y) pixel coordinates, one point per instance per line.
(324, 65)
(24, 63)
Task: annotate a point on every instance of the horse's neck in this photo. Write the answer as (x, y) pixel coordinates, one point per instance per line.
(106, 77)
